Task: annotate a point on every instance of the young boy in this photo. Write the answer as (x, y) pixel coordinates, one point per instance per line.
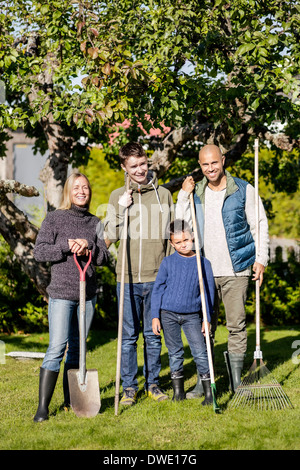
(176, 303)
(150, 207)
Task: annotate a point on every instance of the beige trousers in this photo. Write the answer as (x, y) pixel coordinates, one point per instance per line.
(232, 291)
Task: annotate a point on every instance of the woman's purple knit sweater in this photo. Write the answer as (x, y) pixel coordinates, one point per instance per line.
(52, 246)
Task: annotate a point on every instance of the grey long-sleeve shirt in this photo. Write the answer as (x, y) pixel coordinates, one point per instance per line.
(52, 246)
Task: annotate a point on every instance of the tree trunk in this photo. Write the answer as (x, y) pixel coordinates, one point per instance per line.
(20, 234)
(55, 171)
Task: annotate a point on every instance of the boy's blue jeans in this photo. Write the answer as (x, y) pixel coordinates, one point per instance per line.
(63, 316)
(137, 307)
(192, 327)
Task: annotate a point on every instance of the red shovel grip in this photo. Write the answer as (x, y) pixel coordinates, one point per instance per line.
(82, 271)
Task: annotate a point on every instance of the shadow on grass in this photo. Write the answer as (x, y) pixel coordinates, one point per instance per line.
(39, 342)
(24, 342)
(275, 353)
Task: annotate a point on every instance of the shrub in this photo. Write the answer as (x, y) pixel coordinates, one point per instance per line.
(279, 296)
(280, 293)
(22, 307)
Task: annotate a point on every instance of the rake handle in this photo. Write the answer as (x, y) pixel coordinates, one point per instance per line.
(202, 293)
(257, 354)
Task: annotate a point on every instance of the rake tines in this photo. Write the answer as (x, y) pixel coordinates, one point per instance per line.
(259, 390)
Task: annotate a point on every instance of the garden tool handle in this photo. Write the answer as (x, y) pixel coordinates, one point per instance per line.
(202, 292)
(83, 271)
(257, 282)
(121, 302)
(82, 328)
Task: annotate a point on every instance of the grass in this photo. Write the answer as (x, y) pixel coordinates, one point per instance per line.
(148, 425)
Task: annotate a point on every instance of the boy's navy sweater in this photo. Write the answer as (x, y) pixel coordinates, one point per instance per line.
(176, 287)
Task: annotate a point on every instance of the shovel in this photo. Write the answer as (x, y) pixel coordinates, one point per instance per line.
(83, 384)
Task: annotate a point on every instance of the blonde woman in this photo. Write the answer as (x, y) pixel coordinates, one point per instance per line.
(69, 229)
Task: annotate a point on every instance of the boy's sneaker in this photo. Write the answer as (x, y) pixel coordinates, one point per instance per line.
(129, 397)
(156, 393)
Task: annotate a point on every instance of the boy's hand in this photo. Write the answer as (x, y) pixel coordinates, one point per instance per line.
(203, 327)
(126, 199)
(156, 327)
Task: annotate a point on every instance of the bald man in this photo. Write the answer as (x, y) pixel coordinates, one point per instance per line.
(225, 210)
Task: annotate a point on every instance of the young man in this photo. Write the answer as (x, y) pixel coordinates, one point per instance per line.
(225, 208)
(176, 304)
(150, 209)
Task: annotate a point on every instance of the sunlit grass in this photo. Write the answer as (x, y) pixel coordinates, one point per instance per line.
(148, 425)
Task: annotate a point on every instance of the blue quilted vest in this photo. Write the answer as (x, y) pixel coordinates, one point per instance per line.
(240, 242)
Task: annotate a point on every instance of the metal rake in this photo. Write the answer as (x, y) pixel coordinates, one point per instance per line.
(259, 389)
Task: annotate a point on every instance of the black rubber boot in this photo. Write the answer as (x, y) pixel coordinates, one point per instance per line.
(178, 385)
(234, 364)
(48, 380)
(197, 391)
(66, 383)
(206, 383)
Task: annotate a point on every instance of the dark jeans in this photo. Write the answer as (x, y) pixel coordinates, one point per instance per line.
(137, 307)
(191, 325)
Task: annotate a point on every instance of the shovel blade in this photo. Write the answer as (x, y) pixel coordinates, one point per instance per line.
(84, 398)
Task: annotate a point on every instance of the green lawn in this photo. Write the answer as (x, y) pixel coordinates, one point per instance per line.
(149, 425)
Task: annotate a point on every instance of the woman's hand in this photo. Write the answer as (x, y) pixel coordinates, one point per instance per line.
(79, 246)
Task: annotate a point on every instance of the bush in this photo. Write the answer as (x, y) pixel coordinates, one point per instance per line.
(106, 314)
(279, 296)
(280, 292)
(17, 312)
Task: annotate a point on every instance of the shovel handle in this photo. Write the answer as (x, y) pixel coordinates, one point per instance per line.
(83, 271)
(82, 330)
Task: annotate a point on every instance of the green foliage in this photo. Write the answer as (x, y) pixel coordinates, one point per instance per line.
(280, 293)
(17, 312)
(230, 63)
(44, 48)
(103, 180)
(278, 188)
(106, 313)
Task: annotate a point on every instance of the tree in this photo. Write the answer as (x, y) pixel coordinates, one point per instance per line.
(213, 71)
(243, 78)
(43, 47)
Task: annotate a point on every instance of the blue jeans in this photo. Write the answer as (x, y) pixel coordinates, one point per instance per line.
(137, 307)
(63, 316)
(192, 326)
